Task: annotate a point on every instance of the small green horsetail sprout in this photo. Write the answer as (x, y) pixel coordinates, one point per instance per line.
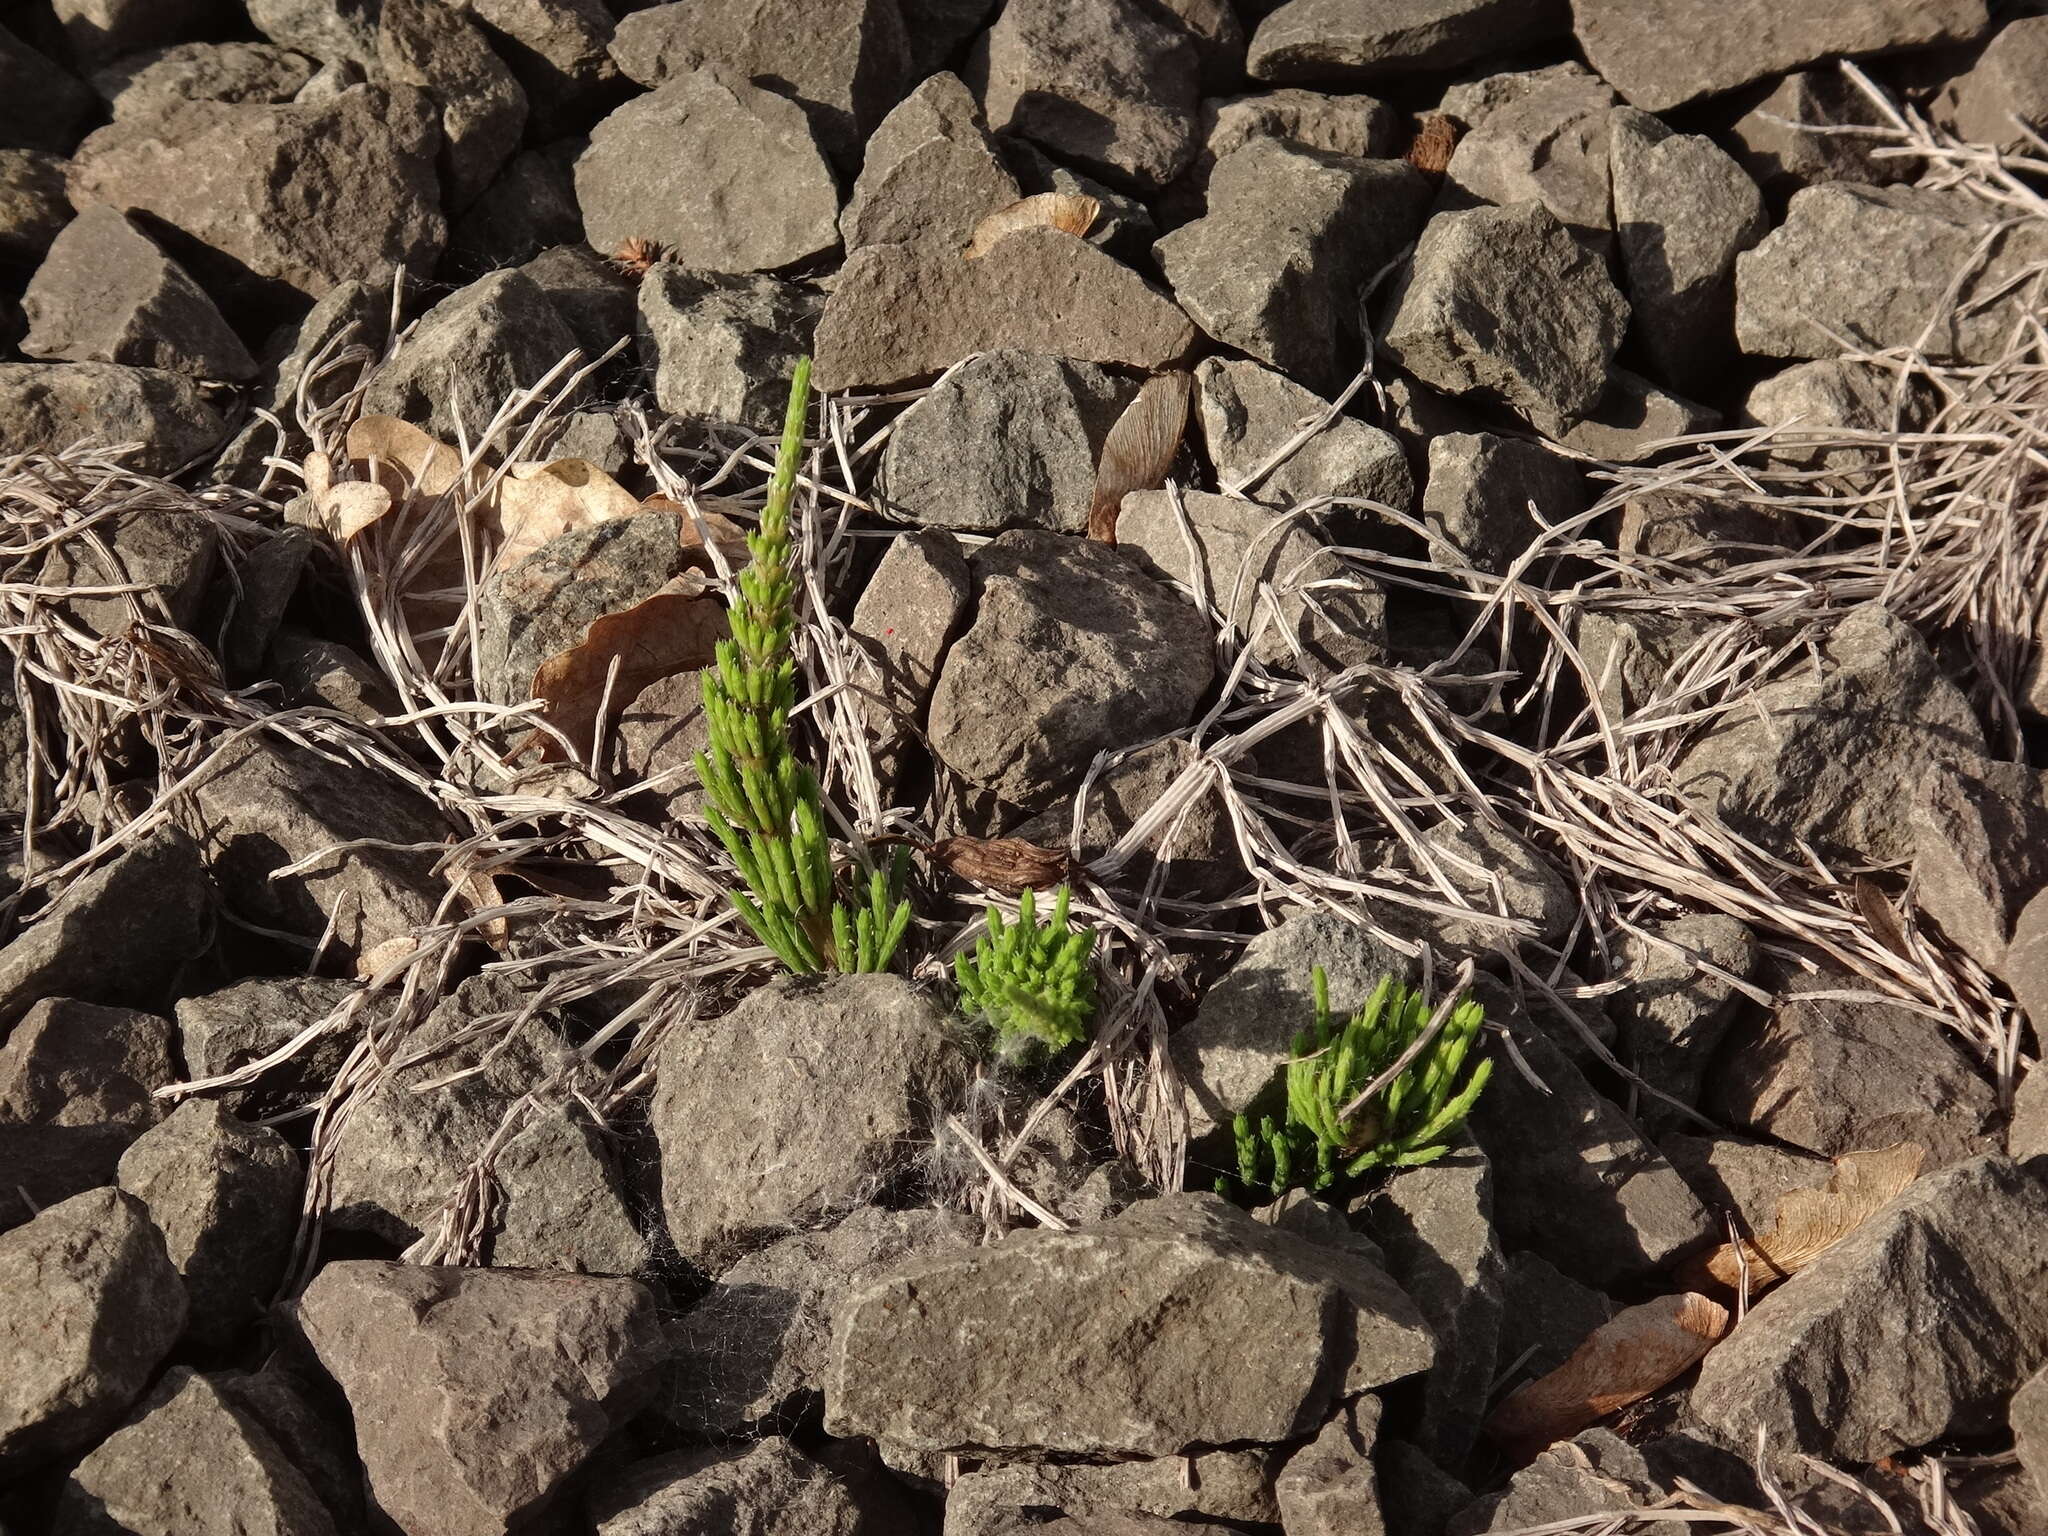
(1032, 981)
(1409, 1122)
(765, 805)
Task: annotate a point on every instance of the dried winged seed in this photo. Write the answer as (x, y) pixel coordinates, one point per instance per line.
(1008, 864)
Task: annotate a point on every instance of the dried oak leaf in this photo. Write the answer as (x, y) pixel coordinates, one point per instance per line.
(1009, 864)
(676, 629)
(1808, 1222)
(535, 502)
(1138, 453)
(1074, 212)
(1627, 1357)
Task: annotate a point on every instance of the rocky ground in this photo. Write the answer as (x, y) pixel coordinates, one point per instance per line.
(1549, 494)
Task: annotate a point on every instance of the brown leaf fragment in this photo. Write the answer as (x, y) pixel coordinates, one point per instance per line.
(1808, 1222)
(1626, 1358)
(676, 629)
(533, 503)
(1009, 864)
(402, 458)
(1139, 451)
(1435, 137)
(1073, 212)
(1884, 921)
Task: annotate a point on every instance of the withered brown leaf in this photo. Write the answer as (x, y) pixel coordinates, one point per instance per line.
(1138, 453)
(676, 629)
(1009, 864)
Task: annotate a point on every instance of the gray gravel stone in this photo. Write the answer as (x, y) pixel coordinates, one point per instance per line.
(770, 1485)
(1071, 651)
(1628, 423)
(168, 552)
(317, 671)
(33, 207)
(1317, 40)
(143, 83)
(1576, 1181)
(107, 294)
(1329, 1487)
(557, 50)
(1829, 398)
(328, 30)
(1180, 1323)
(471, 352)
(907, 616)
(49, 407)
(2000, 96)
(1210, 1485)
(1545, 1315)
(1479, 491)
(1597, 1472)
(1239, 1038)
(1248, 413)
(1277, 265)
(192, 1460)
(847, 61)
(1356, 125)
(724, 174)
(1980, 852)
(1504, 300)
(42, 106)
(529, 208)
(1109, 87)
(89, 1306)
(119, 936)
(1746, 1178)
(655, 741)
(1546, 143)
(477, 1393)
(1123, 225)
(1673, 1015)
(1836, 1076)
(1667, 52)
(1011, 440)
(1831, 759)
(930, 172)
(443, 52)
(1783, 157)
(595, 300)
(280, 203)
(1683, 211)
(809, 1099)
(723, 345)
(103, 29)
(2029, 1421)
(1916, 1326)
(225, 1195)
(1876, 265)
(403, 1152)
(902, 312)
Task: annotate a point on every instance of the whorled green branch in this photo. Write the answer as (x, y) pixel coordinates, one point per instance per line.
(764, 804)
(1032, 981)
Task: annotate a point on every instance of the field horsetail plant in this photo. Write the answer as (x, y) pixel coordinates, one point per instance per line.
(1032, 981)
(763, 803)
(1337, 1129)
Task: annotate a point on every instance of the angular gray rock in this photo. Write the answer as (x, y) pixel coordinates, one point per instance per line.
(259, 807)
(1277, 265)
(329, 30)
(907, 616)
(1478, 495)
(1236, 553)
(195, 1460)
(558, 52)
(594, 299)
(546, 603)
(478, 1392)
(77, 1086)
(1831, 759)
(1504, 300)
(33, 207)
(1746, 1178)
(1248, 413)
(103, 29)
(809, 1099)
(1361, 126)
(471, 353)
(655, 740)
(166, 552)
(723, 174)
(1545, 1315)
(1980, 852)
(1664, 53)
(723, 345)
(1629, 423)
(144, 83)
(1123, 225)
(1109, 87)
(1329, 1487)
(1597, 1472)
(1713, 535)
(2029, 1420)
(2025, 971)
(930, 172)
(1548, 143)
(119, 936)
(1815, 404)
(1674, 1013)
(89, 1306)
(1326, 40)
(1574, 1178)
(222, 1030)
(557, 1203)
(280, 203)
(1071, 651)
(1812, 279)
(1683, 211)
(1999, 97)
(770, 1485)
(529, 208)
(225, 1195)
(1435, 1224)
(1782, 155)
(850, 67)
(1228, 1054)
(106, 293)
(1011, 440)
(51, 407)
(1182, 1322)
(1499, 871)
(1835, 1076)
(1210, 1485)
(42, 106)
(317, 671)
(441, 51)
(754, 1349)
(902, 312)
(1916, 1326)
